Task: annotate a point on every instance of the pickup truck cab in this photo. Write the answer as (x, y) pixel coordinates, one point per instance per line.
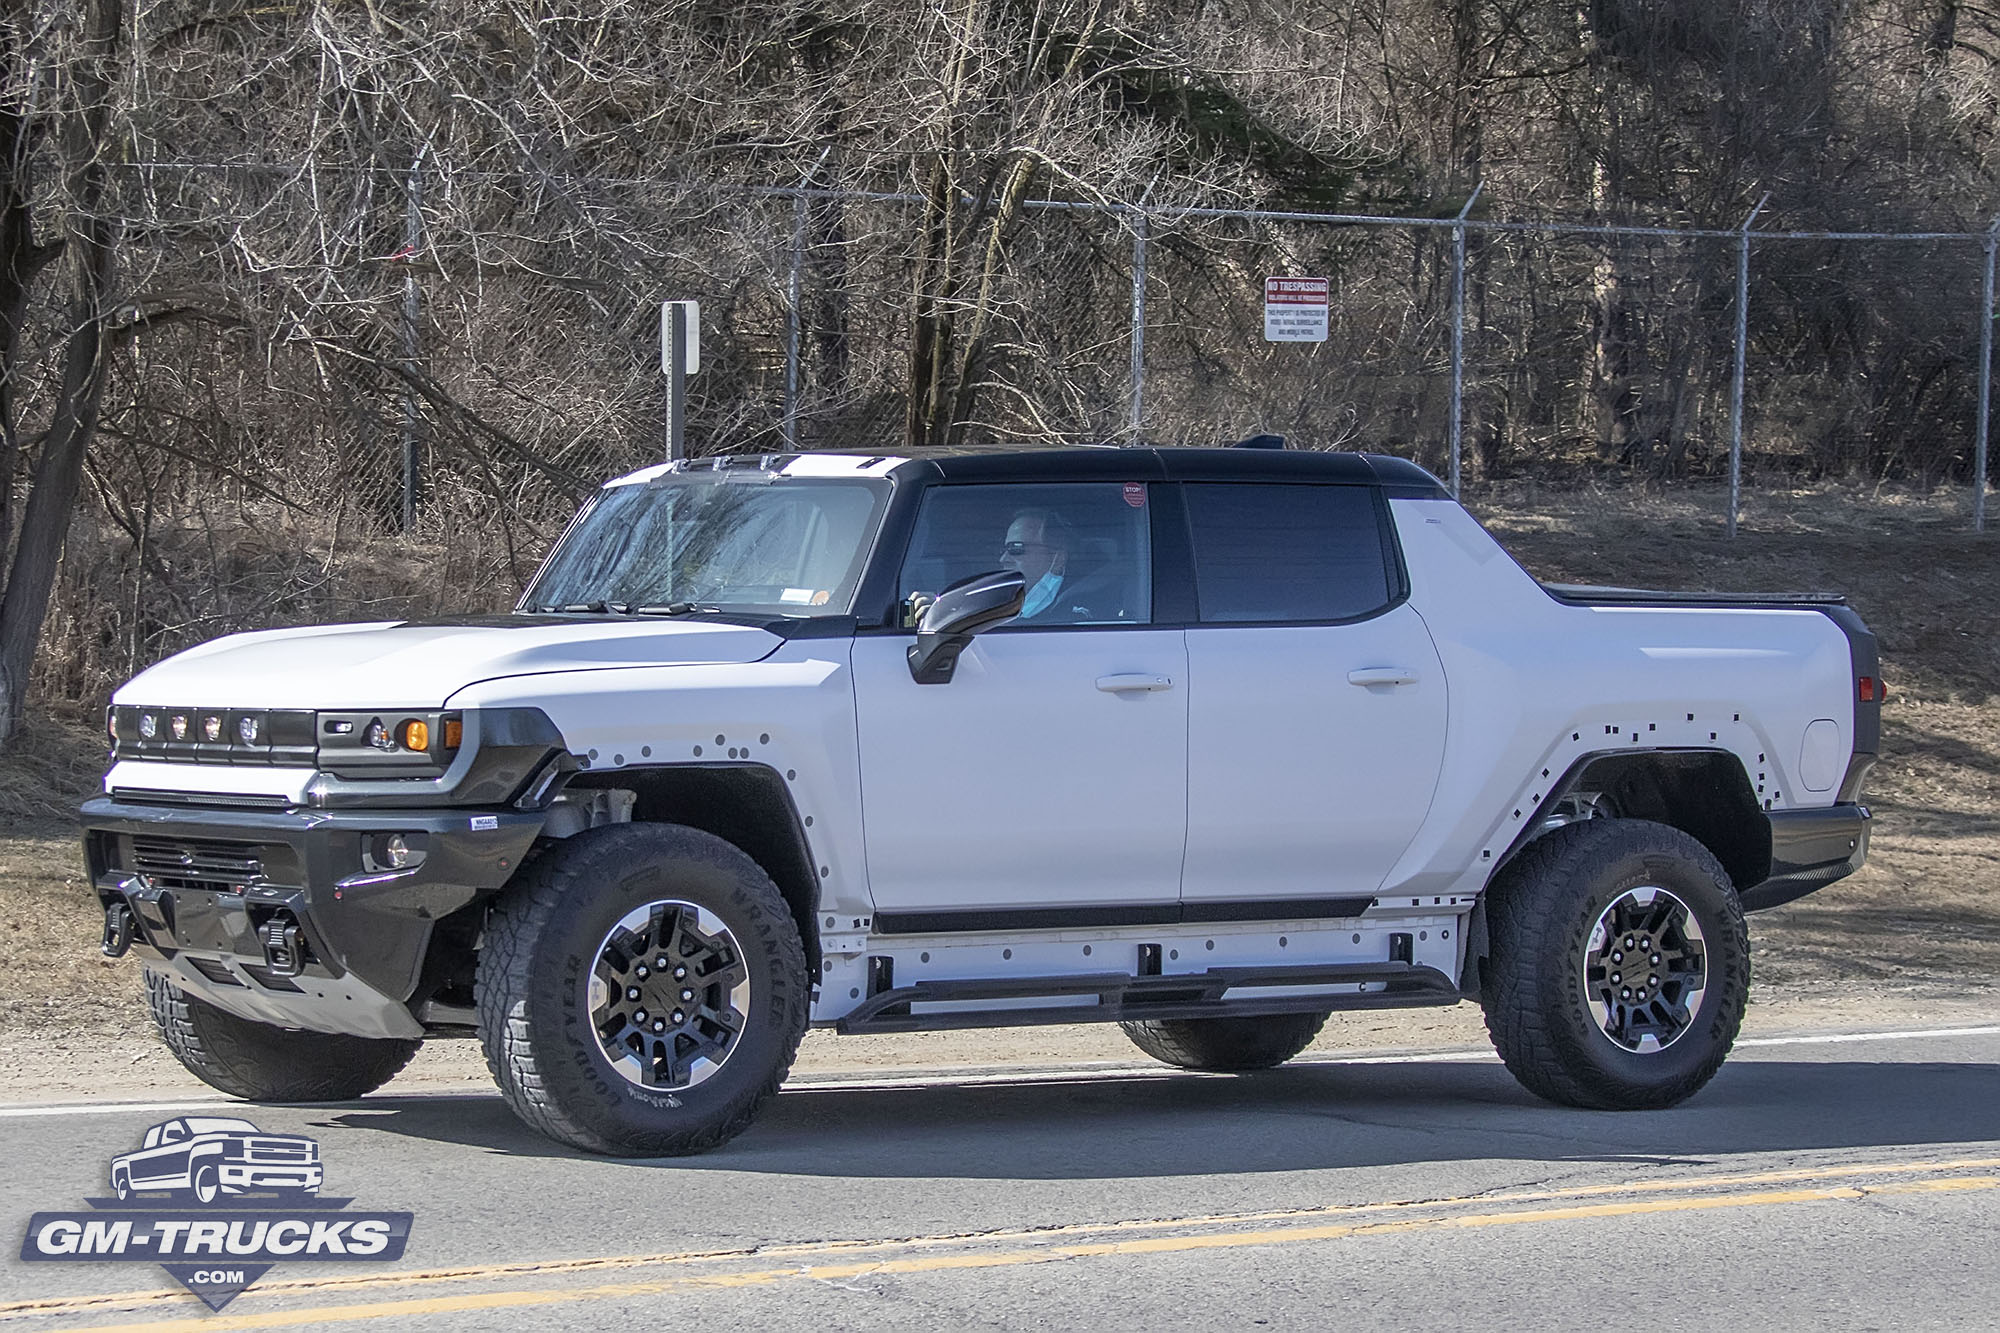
(1207, 742)
(210, 1156)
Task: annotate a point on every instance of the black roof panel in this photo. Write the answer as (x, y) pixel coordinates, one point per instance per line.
(1400, 477)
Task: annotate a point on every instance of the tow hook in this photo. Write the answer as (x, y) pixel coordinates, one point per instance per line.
(119, 928)
(284, 950)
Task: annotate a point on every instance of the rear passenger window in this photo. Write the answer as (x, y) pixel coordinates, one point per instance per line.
(1280, 552)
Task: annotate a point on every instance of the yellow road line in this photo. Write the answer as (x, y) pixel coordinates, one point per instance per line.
(938, 1263)
(531, 1267)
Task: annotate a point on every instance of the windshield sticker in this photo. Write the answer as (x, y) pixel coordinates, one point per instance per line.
(226, 1200)
(822, 597)
(803, 596)
(1135, 494)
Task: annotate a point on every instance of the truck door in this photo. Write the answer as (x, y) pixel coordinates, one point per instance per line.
(1046, 783)
(1316, 702)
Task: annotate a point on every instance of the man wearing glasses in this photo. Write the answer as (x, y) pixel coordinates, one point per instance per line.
(1038, 545)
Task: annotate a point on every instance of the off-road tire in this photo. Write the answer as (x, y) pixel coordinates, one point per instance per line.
(1540, 914)
(264, 1063)
(1228, 1044)
(541, 944)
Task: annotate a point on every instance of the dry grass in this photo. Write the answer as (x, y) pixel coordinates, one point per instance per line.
(1921, 920)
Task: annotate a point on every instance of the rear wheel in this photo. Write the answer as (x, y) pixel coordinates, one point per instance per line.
(270, 1064)
(1226, 1043)
(642, 991)
(1620, 965)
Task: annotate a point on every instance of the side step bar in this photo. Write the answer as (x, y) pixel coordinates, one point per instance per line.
(1124, 997)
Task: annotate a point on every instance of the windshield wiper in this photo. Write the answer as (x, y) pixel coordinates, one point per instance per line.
(597, 608)
(672, 609)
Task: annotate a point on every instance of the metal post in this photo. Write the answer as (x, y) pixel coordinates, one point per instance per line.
(793, 321)
(1458, 332)
(1736, 382)
(1138, 320)
(677, 385)
(413, 234)
(1985, 383)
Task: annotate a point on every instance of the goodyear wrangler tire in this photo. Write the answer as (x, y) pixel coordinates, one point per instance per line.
(1226, 1043)
(263, 1063)
(641, 991)
(1620, 965)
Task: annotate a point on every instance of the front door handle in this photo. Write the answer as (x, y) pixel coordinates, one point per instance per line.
(1134, 682)
(1382, 676)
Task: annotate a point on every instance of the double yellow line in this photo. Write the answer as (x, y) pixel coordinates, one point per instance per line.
(838, 1260)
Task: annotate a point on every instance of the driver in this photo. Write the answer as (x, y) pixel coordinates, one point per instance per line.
(1037, 546)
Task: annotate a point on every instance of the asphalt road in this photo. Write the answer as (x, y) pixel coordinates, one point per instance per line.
(1829, 1182)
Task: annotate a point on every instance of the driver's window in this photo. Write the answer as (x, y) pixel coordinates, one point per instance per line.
(1084, 548)
(172, 1134)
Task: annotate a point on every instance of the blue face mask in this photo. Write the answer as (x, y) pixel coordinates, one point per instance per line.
(1041, 594)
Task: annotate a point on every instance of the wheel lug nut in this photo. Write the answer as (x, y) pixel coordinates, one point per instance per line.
(1652, 981)
(679, 1017)
(687, 995)
(1625, 994)
(659, 1025)
(1615, 978)
(1656, 960)
(1617, 957)
(639, 1017)
(1642, 992)
(661, 961)
(680, 973)
(1628, 941)
(631, 992)
(641, 972)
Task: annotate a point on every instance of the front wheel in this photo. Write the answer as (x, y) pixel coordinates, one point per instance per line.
(207, 1185)
(1620, 965)
(641, 991)
(245, 1058)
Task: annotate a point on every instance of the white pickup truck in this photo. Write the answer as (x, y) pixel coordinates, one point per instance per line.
(1207, 742)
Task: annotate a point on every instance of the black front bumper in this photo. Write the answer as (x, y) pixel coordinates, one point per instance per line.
(204, 887)
(1810, 849)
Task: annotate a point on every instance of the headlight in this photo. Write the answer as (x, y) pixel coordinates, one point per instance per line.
(388, 745)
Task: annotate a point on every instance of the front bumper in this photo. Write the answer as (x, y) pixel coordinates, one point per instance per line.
(1810, 849)
(205, 885)
(267, 1176)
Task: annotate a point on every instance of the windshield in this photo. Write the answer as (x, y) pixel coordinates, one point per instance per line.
(754, 544)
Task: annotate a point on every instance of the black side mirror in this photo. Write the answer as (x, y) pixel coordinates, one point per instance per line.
(961, 611)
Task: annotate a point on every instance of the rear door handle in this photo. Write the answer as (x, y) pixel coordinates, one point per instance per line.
(1134, 682)
(1382, 676)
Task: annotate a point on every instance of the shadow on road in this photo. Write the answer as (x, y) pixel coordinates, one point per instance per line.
(1294, 1119)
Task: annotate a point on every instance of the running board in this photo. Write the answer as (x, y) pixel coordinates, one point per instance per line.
(1122, 997)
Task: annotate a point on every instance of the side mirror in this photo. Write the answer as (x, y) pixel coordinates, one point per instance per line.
(961, 611)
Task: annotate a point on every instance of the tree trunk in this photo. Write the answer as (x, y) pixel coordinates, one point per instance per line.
(59, 472)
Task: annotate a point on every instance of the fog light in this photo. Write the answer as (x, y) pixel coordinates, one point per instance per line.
(379, 737)
(416, 736)
(396, 850)
(149, 726)
(246, 730)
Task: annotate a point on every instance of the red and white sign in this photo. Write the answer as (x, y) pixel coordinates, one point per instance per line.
(1295, 309)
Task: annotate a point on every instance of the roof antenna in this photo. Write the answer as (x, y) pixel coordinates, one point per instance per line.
(1260, 442)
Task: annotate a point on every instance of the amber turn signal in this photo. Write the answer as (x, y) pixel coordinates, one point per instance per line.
(416, 735)
(454, 732)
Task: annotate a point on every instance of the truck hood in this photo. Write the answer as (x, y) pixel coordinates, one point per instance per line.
(393, 664)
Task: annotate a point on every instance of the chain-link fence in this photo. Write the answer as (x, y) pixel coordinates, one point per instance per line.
(369, 391)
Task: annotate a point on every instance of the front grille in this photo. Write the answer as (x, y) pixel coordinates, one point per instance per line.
(279, 1150)
(176, 863)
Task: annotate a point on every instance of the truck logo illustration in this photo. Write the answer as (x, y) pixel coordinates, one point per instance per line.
(208, 1157)
(216, 1202)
